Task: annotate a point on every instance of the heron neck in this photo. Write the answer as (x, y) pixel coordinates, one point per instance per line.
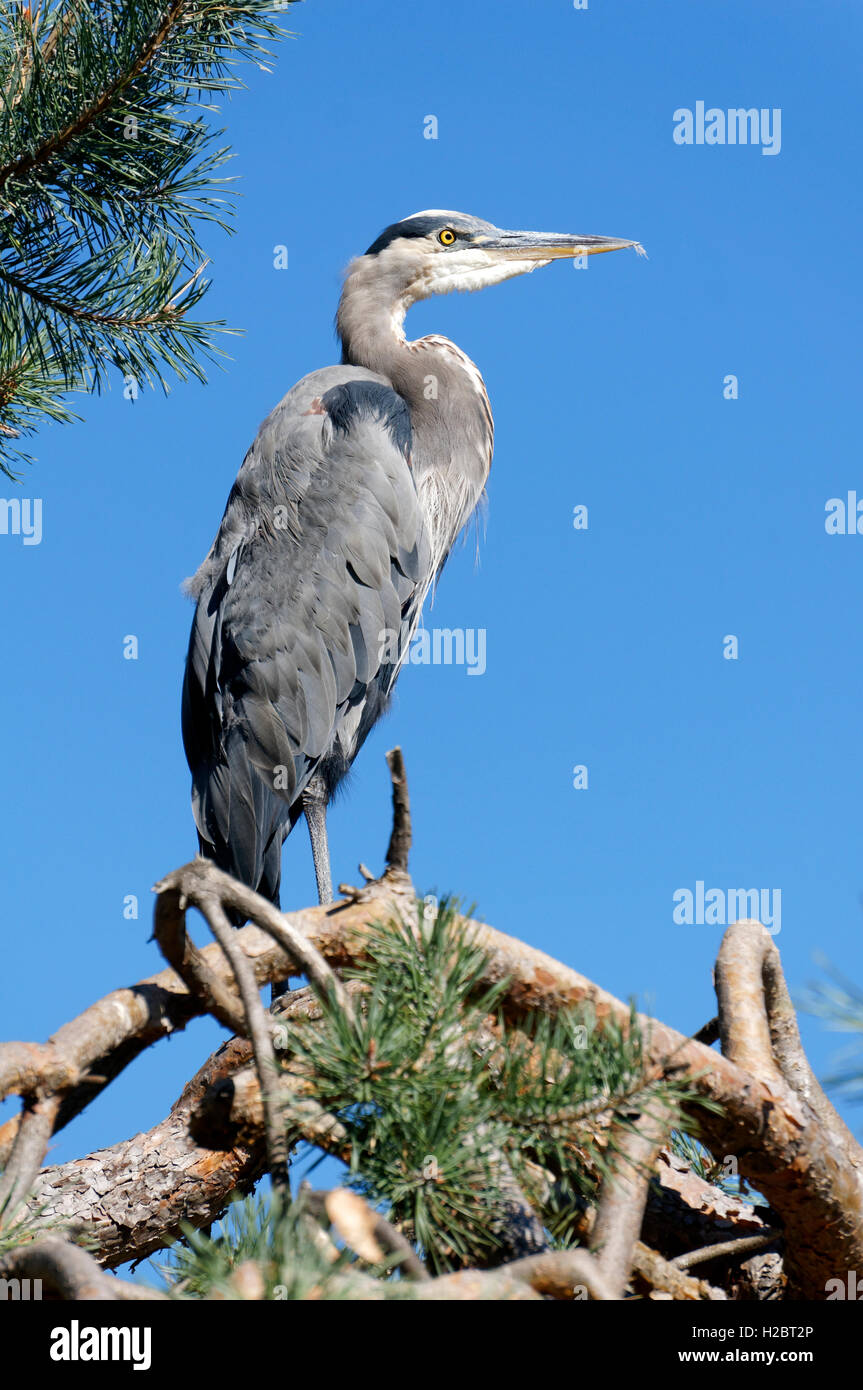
(451, 424)
(370, 321)
(441, 385)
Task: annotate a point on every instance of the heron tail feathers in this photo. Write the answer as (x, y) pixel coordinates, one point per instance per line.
(241, 824)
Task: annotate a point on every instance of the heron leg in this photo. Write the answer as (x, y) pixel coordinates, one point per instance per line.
(315, 808)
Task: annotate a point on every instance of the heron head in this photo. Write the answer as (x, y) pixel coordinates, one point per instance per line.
(435, 252)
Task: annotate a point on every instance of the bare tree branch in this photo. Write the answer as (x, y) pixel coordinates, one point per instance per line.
(768, 1111)
(813, 1181)
(557, 1274)
(668, 1280)
(746, 1245)
(258, 1029)
(28, 1152)
(402, 834)
(69, 1273)
(623, 1196)
(215, 994)
(758, 1022)
(201, 882)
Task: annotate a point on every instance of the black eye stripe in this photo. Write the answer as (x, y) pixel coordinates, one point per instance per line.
(427, 227)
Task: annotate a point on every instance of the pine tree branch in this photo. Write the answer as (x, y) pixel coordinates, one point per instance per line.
(623, 1196)
(809, 1170)
(200, 882)
(744, 1245)
(669, 1280)
(258, 1029)
(812, 1181)
(556, 1274)
(19, 167)
(69, 1273)
(757, 1022)
(132, 1197)
(35, 1127)
(81, 203)
(79, 313)
(399, 846)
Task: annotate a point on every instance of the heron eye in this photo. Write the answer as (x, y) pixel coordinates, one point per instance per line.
(446, 237)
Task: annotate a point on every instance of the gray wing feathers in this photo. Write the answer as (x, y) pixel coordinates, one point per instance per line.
(321, 556)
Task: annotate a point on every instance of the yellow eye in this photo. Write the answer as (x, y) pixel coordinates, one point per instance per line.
(446, 237)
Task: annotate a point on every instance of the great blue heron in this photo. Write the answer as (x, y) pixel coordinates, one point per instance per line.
(342, 515)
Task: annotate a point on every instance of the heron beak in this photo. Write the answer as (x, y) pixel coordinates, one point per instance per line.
(552, 246)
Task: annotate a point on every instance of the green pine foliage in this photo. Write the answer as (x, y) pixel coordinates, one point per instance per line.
(108, 173)
(279, 1243)
(447, 1103)
(22, 1225)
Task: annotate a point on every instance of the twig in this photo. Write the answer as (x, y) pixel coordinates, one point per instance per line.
(60, 30)
(201, 879)
(666, 1277)
(217, 996)
(395, 1243)
(633, 1148)
(557, 1274)
(744, 1245)
(708, 1033)
(28, 1151)
(788, 1048)
(111, 1033)
(258, 1028)
(401, 838)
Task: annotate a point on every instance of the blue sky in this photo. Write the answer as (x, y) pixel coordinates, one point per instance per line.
(604, 646)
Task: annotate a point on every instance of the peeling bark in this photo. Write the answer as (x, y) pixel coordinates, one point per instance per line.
(788, 1140)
